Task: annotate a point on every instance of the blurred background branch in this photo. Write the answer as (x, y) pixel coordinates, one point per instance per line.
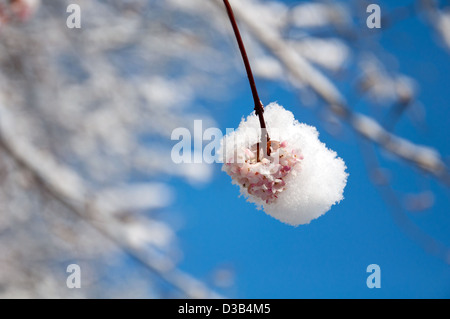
(100, 210)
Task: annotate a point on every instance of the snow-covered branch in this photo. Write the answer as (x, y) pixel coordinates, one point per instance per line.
(98, 210)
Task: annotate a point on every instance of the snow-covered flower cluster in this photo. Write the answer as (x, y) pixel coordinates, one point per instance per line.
(301, 178)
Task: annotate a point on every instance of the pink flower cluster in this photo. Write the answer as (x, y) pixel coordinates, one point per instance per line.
(264, 178)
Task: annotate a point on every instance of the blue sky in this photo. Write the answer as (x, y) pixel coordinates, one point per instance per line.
(328, 257)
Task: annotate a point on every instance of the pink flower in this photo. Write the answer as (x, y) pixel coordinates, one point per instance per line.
(298, 182)
(264, 178)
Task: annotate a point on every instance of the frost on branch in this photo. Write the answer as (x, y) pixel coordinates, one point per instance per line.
(301, 178)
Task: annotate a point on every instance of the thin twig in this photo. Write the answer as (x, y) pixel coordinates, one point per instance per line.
(259, 109)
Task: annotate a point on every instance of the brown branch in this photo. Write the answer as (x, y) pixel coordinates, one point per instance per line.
(259, 109)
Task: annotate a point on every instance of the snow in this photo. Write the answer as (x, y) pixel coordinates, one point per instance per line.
(314, 182)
